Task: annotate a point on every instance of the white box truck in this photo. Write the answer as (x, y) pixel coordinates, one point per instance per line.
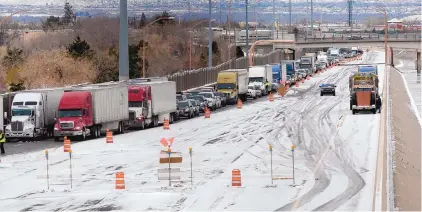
(33, 113)
(259, 75)
(89, 110)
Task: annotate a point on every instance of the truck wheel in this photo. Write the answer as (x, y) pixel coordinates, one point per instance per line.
(83, 136)
(374, 111)
(156, 121)
(56, 139)
(321, 94)
(122, 128)
(334, 94)
(353, 112)
(350, 105)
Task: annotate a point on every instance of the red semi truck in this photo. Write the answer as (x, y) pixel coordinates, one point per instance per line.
(152, 102)
(88, 110)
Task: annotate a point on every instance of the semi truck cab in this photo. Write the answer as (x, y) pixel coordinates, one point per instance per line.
(139, 105)
(74, 115)
(227, 83)
(27, 116)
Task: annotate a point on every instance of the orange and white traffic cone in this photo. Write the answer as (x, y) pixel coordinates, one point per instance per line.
(239, 104)
(166, 124)
(109, 137)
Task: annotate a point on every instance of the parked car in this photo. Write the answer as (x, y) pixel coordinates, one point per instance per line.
(302, 72)
(217, 101)
(181, 97)
(252, 92)
(223, 97)
(211, 100)
(202, 102)
(195, 106)
(185, 109)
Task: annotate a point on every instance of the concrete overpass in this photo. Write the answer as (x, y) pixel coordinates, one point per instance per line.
(392, 42)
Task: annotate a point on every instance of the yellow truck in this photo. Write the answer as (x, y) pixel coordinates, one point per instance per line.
(234, 82)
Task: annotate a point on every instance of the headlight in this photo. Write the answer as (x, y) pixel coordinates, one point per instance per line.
(29, 129)
(187, 109)
(77, 128)
(7, 130)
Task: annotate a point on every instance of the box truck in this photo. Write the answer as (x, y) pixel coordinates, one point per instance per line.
(234, 82)
(88, 110)
(260, 75)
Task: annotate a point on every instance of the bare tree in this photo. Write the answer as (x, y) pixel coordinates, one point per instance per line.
(56, 69)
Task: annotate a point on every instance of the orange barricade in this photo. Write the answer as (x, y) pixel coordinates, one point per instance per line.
(303, 80)
(109, 137)
(308, 77)
(236, 178)
(271, 97)
(297, 84)
(207, 113)
(239, 104)
(120, 180)
(166, 124)
(66, 145)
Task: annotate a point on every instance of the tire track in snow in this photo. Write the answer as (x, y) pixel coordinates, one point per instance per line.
(306, 124)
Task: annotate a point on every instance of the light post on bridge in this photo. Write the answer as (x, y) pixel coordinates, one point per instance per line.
(190, 41)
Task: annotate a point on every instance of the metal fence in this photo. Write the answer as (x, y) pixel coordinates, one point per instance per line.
(196, 78)
(405, 138)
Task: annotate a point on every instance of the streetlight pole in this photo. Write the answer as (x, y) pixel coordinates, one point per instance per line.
(190, 42)
(230, 36)
(144, 44)
(247, 36)
(209, 37)
(123, 42)
(274, 18)
(290, 16)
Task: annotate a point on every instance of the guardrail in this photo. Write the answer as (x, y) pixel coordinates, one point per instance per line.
(360, 36)
(196, 78)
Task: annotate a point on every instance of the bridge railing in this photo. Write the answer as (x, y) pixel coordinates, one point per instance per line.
(358, 36)
(196, 78)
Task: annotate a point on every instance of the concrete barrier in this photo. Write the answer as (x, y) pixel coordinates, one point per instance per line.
(405, 134)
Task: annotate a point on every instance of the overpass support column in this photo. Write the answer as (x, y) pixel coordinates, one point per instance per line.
(418, 62)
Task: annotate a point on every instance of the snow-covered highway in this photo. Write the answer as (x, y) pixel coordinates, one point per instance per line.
(335, 160)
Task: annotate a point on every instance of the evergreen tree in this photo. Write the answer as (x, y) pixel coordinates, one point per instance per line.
(79, 48)
(69, 15)
(51, 23)
(143, 21)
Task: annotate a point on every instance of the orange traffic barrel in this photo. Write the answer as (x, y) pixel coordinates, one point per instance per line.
(287, 87)
(120, 180)
(207, 113)
(166, 124)
(109, 137)
(239, 104)
(271, 97)
(303, 80)
(66, 145)
(308, 77)
(297, 84)
(236, 178)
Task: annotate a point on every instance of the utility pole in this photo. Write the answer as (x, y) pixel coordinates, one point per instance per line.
(290, 15)
(247, 37)
(274, 20)
(209, 37)
(123, 42)
(312, 18)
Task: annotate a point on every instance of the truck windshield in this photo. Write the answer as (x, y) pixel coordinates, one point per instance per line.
(135, 104)
(225, 86)
(21, 112)
(256, 79)
(70, 113)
